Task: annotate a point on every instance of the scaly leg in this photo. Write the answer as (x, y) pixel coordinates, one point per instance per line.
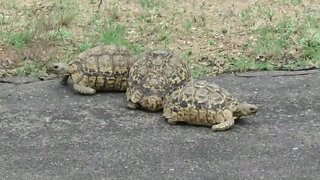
(64, 80)
(223, 126)
(83, 89)
(172, 122)
(131, 105)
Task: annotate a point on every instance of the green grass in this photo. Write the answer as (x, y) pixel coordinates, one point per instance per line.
(272, 40)
(146, 17)
(114, 12)
(312, 48)
(84, 46)
(62, 34)
(275, 39)
(187, 25)
(13, 4)
(51, 24)
(295, 2)
(310, 39)
(287, 43)
(18, 39)
(244, 64)
(114, 34)
(149, 3)
(212, 43)
(165, 39)
(199, 71)
(299, 64)
(73, 28)
(186, 55)
(30, 68)
(62, 14)
(246, 15)
(266, 12)
(136, 48)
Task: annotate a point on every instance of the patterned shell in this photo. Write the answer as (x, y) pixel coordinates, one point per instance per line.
(155, 74)
(102, 68)
(201, 103)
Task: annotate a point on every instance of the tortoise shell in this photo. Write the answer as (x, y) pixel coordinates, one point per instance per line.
(102, 68)
(200, 103)
(155, 74)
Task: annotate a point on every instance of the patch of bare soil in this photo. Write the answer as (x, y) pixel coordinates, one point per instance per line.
(39, 52)
(213, 32)
(9, 58)
(209, 32)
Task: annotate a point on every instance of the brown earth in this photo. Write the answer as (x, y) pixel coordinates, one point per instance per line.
(210, 32)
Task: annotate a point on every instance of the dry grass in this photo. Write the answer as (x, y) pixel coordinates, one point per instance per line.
(214, 36)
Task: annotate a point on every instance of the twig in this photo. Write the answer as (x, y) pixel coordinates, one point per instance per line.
(100, 3)
(16, 82)
(303, 69)
(2, 22)
(278, 75)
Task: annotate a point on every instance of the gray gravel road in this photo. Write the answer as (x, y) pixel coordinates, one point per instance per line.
(49, 132)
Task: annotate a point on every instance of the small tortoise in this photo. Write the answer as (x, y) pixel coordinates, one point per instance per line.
(102, 68)
(155, 74)
(206, 104)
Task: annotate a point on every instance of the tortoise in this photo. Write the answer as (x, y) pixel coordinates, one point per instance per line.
(207, 104)
(102, 68)
(155, 74)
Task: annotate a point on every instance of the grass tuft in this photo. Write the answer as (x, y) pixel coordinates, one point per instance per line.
(18, 39)
(149, 3)
(31, 69)
(114, 34)
(244, 64)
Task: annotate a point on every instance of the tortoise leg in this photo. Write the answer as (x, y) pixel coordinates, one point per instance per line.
(223, 126)
(131, 105)
(172, 122)
(83, 89)
(64, 80)
(167, 114)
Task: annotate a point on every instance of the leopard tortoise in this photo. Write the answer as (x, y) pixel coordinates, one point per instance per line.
(102, 68)
(155, 74)
(207, 104)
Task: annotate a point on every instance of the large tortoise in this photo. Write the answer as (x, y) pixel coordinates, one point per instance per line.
(207, 104)
(102, 68)
(153, 75)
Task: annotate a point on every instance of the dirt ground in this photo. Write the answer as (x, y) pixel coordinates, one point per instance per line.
(209, 33)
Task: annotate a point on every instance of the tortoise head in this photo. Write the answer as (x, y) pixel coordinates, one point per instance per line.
(245, 109)
(57, 68)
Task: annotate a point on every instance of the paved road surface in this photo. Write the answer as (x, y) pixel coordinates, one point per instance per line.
(48, 132)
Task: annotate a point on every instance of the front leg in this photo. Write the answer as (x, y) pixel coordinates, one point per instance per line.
(172, 122)
(64, 80)
(224, 125)
(83, 89)
(131, 105)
